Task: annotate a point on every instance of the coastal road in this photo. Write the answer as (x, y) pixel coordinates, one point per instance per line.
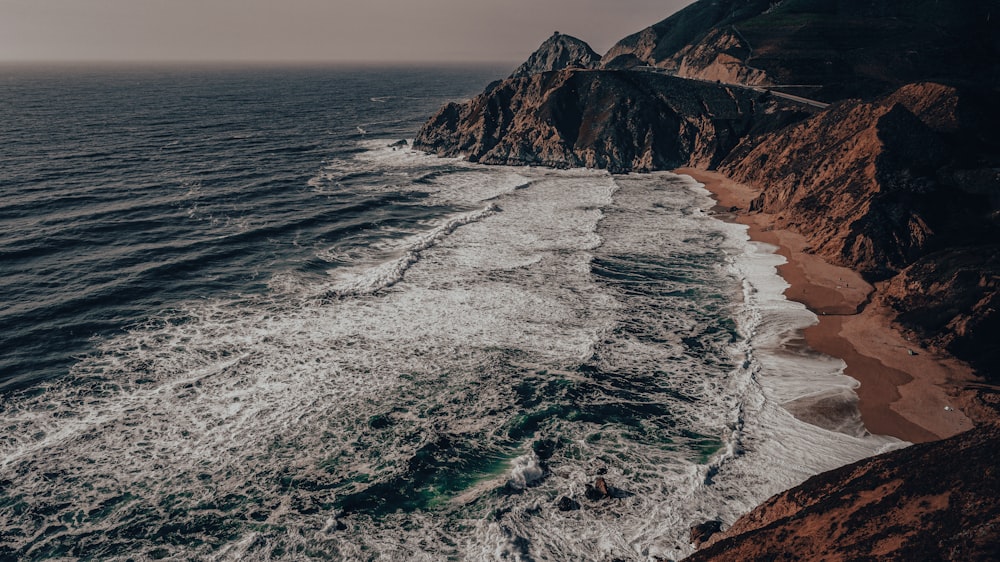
(790, 97)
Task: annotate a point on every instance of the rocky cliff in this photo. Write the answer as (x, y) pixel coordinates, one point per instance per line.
(617, 120)
(557, 53)
(934, 501)
(950, 300)
(863, 180)
(904, 188)
(905, 185)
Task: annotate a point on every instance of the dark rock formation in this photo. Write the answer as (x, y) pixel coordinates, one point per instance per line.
(852, 179)
(558, 52)
(951, 301)
(599, 490)
(565, 503)
(701, 532)
(617, 120)
(934, 501)
(843, 47)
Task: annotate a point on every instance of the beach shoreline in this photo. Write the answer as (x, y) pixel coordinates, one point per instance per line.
(904, 391)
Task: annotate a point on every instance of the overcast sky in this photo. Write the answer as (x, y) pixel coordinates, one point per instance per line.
(311, 30)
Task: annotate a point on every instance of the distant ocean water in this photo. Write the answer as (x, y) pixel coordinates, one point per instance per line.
(235, 323)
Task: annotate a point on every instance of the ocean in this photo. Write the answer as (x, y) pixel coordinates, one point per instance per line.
(238, 321)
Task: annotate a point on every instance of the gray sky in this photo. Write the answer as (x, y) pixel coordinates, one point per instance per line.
(311, 30)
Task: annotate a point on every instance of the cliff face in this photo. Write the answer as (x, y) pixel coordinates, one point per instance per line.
(617, 120)
(722, 55)
(907, 183)
(558, 52)
(934, 501)
(858, 180)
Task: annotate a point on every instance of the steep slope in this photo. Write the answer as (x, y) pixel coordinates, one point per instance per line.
(558, 52)
(951, 301)
(617, 120)
(859, 181)
(836, 48)
(660, 43)
(909, 184)
(934, 501)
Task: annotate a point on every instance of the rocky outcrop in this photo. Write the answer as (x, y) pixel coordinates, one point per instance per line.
(598, 490)
(616, 120)
(951, 301)
(934, 501)
(857, 180)
(722, 56)
(558, 52)
(907, 183)
(702, 532)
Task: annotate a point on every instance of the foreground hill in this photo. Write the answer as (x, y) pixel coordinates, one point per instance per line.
(881, 509)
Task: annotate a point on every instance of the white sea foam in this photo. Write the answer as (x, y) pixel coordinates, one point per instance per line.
(776, 450)
(389, 273)
(525, 471)
(446, 358)
(447, 181)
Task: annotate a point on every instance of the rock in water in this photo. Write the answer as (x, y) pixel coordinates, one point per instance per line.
(556, 53)
(567, 504)
(598, 491)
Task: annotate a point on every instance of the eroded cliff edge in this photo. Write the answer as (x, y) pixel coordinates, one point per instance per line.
(612, 119)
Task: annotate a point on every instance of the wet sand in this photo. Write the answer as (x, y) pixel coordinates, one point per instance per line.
(905, 391)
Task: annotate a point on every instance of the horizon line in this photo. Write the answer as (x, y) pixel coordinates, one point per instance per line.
(250, 62)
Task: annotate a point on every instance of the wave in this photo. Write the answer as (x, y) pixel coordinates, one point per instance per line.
(571, 324)
(390, 273)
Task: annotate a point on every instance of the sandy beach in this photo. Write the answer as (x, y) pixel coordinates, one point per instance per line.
(905, 391)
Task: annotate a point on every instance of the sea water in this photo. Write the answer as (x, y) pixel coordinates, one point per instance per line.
(236, 324)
